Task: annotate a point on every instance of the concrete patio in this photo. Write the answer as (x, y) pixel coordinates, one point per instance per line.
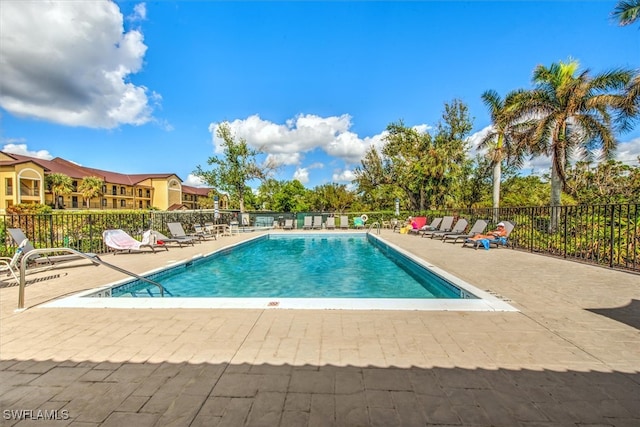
(569, 357)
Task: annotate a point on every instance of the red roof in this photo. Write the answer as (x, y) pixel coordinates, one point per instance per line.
(73, 170)
(198, 191)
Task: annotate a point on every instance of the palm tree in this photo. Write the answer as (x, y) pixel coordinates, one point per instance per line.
(627, 11)
(60, 185)
(90, 187)
(500, 140)
(570, 112)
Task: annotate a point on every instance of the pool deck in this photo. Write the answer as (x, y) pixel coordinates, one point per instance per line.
(569, 357)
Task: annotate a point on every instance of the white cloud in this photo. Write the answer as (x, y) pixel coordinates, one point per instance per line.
(302, 175)
(139, 12)
(194, 181)
(71, 63)
(345, 176)
(23, 150)
(289, 142)
(284, 159)
(629, 151)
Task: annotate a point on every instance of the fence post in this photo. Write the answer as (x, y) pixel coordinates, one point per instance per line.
(564, 234)
(531, 230)
(611, 232)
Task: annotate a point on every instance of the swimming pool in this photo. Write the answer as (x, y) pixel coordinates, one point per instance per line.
(300, 266)
(450, 293)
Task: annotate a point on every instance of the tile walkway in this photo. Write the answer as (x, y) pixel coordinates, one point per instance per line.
(569, 357)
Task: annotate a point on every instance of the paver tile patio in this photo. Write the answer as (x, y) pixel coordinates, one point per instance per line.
(565, 358)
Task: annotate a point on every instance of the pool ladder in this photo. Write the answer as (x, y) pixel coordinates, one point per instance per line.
(91, 257)
(374, 225)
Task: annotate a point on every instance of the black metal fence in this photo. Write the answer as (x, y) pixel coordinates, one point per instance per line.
(605, 235)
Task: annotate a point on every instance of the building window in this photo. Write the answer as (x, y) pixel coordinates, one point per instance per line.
(104, 203)
(123, 203)
(122, 191)
(104, 189)
(9, 185)
(114, 190)
(74, 184)
(140, 204)
(74, 202)
(148, 193)
(114, 204)
(140, 193)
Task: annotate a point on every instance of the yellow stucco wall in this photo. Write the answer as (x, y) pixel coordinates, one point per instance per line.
(33, 187)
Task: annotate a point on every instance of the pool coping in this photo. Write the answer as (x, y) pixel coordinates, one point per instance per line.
(485, 301)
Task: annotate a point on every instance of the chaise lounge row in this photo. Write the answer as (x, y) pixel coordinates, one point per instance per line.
(445, 229)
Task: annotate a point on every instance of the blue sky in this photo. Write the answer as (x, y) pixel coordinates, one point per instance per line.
(139, 87)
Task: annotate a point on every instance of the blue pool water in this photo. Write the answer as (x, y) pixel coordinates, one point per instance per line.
(295, 266)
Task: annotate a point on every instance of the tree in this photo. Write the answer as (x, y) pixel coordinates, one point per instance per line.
(236, 167)
(449, 164)
(525, 191)
(332, 197)
(90, 187)
(291, 197)
(627, 11)
(60, 185)
(608, 182)
(570, 113)
(428, 169)
(500, 140)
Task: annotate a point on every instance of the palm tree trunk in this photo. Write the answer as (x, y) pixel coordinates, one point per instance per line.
(556, 191)
(497, 177)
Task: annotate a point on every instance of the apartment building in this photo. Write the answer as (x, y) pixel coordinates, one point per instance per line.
(22, 180)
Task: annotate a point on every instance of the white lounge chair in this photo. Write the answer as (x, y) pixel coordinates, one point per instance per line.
(9, 265)
(308, 222)
(42, 259)
(203, 233)
(317, 222)
(330, 224)
(344, 222)
(119, 241)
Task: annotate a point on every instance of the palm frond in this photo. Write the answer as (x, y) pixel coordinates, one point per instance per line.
(626, 12)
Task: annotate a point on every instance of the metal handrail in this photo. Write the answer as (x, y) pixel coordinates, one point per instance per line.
(91, 257)
(374, 224)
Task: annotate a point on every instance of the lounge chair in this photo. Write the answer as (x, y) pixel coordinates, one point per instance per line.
(177, 232)
(435, 223)
(478, 228)
(344, 222)
(317, 222)
(264, 222)
(119, 241)
(161, 238)
(217, 229)
(202, 233)
(330, 224)
(308, 223)
(288, 224)
(486, 243)
(417, 223)
(445, 225)
(10, 265)
(458, 228)
(42, 259)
